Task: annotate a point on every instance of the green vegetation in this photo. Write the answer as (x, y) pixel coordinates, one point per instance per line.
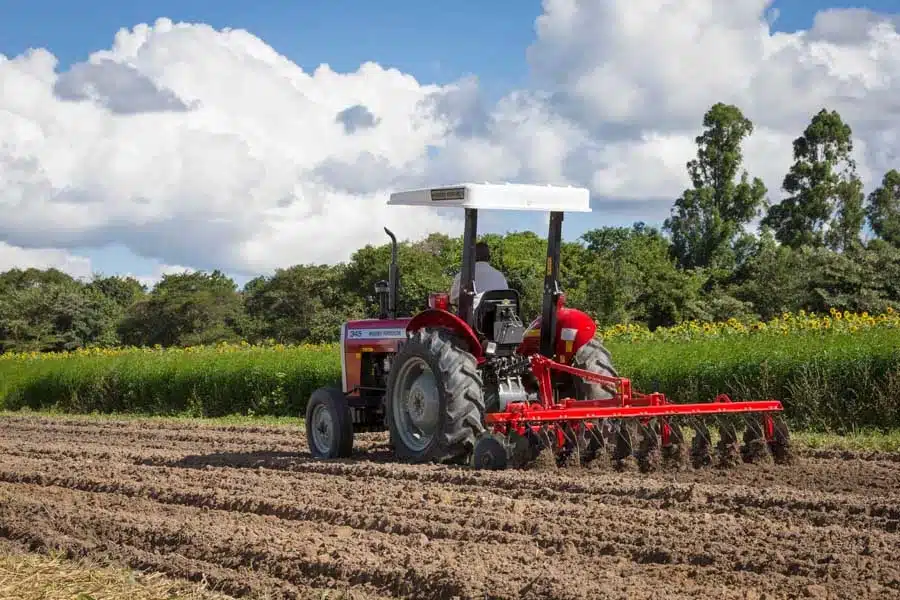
(836, 381)
(201, 381)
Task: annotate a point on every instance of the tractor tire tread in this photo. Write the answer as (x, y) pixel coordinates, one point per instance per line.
(335, 399)
(593, 357)
(462, 387)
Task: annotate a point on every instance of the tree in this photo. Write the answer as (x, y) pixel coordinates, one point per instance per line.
(520, 256)
(303, 303)
(426, 266)
(32, 278)
(707, 220)
(824, 206)
(51, 312)
(185, 309)
(629, 275)
(883, 209)
(124, 291)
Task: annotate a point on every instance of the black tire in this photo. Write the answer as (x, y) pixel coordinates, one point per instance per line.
(460, 398)
(333, 402)
(594, 357)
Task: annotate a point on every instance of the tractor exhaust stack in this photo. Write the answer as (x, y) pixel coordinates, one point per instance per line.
(393, 277)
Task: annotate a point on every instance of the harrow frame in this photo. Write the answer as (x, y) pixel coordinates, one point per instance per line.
(625, 403)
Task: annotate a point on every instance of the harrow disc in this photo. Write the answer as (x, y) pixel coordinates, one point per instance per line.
(755, 448)
(648, 453)
(727, 449)
(700, 444)
(674, 453)
(490, 452)
(780, 446)
(623, 446)
(590, 441)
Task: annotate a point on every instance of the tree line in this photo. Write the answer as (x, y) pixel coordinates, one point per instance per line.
(708, 261)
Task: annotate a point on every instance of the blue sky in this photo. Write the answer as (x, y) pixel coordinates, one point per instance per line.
(413, 36)
(434, 41)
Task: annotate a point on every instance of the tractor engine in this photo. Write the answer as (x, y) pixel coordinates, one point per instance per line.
(508, 379)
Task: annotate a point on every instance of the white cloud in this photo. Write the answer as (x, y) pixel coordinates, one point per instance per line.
(206, 148)
(241, 169)
(79, 267)
(151, 279)
(12, 257)
(640, 74)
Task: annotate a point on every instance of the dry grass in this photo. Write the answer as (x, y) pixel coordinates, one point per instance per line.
(46, 577)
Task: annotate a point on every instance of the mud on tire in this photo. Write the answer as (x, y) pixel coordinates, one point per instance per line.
(459, 398)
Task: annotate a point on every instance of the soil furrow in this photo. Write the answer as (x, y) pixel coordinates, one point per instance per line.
(324, 556)
(248, 508)
(816, 509)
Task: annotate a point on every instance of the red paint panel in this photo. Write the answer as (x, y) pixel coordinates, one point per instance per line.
(566, 319)
(660, 410)
(443, 319)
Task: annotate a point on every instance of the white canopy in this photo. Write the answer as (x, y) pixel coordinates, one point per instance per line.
(498, 196)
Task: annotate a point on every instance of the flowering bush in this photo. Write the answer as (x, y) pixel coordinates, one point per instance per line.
(785, 324)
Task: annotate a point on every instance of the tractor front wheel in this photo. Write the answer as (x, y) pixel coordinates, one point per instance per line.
(329, 427)
(435, 401)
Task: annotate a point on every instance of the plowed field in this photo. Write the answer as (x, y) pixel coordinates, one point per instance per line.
(247, 509)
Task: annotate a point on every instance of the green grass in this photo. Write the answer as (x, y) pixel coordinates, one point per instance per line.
(829, 382)
(838, 382)
(867, 441)
(206, 383)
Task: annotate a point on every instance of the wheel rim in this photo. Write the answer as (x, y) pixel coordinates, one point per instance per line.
(322, 429)
(416, 404)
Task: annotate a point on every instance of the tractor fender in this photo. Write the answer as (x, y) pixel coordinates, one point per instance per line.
(574, 329)
(434, 318)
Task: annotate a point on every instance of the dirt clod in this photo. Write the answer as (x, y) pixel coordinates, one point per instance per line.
(248, 511)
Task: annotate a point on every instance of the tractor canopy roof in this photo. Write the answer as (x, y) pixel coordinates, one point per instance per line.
(498, 196)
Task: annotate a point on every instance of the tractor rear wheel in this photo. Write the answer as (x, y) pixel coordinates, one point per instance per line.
(594, 357)
(435, 400)
(329, 426)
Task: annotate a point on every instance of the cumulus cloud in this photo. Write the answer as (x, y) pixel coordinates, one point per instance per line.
(13, 257)
(639, 75)
(236, 164)
(203, 147)
(119, 87)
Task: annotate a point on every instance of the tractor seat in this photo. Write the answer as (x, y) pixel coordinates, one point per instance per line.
(498, 316)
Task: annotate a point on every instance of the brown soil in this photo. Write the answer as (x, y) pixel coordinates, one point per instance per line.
(247, 510)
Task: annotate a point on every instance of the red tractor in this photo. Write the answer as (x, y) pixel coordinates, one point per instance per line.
(477, 385)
